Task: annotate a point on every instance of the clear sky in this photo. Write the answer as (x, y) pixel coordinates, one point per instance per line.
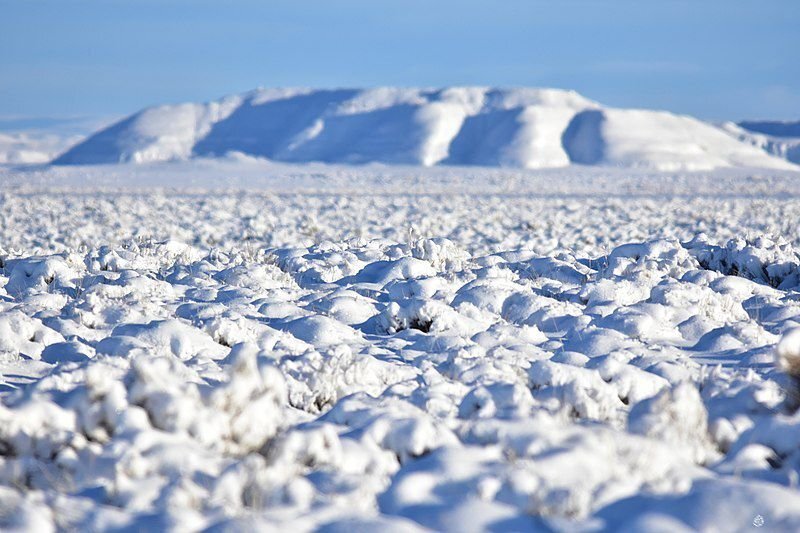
(716, 59)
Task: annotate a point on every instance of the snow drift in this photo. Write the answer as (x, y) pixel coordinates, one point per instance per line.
(522, 128)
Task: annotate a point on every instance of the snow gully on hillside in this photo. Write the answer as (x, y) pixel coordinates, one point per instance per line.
(378, 385)
(522, 128)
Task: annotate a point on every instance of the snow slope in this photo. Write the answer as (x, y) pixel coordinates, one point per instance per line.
(781, 139)
(525, 128)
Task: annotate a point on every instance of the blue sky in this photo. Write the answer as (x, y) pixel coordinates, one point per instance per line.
(715, 59)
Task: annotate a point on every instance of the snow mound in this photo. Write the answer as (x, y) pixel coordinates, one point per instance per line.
(523, 128)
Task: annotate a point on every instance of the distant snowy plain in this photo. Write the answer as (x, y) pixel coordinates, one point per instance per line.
(236, 344)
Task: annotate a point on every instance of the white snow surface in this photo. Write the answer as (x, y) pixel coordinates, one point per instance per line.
(397, 349)
(521, 128)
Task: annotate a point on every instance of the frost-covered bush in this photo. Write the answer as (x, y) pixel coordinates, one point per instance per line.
(772, 261)
(443, 254)
(788, 361)
(677, 416)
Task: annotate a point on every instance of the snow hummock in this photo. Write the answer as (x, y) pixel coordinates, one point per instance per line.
(521, 128)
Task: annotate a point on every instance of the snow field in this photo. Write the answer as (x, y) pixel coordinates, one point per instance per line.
(43, 223)
(397, 362)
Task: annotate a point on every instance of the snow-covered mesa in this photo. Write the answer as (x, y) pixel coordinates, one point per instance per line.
(524, 128)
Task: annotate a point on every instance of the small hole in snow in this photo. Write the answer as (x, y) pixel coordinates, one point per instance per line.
(422, 325)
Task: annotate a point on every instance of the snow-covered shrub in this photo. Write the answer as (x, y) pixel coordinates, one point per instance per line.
(675, 415)
(443, 254)
(578, 392)
(788, 361)
(423, 315)
(772, 261)
(647, 261)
